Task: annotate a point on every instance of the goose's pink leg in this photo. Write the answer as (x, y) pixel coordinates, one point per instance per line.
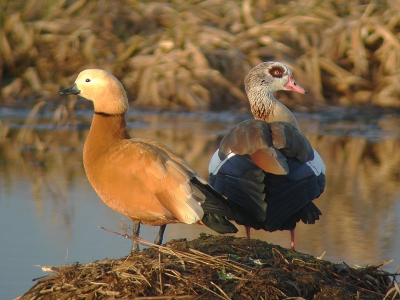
(247, 232)
(292, 239)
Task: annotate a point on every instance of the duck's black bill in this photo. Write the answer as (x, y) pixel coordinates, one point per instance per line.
(73, 89)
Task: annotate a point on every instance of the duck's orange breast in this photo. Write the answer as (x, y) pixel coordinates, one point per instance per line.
(138, 178)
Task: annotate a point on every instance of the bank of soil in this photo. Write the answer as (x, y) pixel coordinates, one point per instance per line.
(215, 267)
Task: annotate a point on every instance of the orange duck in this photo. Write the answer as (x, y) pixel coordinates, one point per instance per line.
(141, 178)
(266, 167)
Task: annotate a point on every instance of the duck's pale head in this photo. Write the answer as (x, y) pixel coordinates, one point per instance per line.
(271, 76)
(101, 87)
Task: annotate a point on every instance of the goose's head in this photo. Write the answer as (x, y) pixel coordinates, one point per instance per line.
(101, 87)
(271, 76)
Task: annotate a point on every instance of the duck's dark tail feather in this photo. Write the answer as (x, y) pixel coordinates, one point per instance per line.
(217, 210)
(219, 224)
(308, 214)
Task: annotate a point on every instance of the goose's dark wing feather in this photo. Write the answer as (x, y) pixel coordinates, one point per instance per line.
(267, 197)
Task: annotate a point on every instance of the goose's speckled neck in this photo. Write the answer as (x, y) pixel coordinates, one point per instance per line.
(266, 107)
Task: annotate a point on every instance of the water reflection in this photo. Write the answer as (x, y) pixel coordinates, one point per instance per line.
(49, 213)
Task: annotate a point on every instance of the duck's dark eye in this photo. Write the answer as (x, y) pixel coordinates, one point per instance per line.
(87, 80)
(277, 71)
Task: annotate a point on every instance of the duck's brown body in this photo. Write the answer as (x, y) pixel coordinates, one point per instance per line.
(114, 162)
(141, 178)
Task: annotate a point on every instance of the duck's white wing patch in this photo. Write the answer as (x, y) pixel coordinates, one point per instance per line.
(216, 163)
(317, 164)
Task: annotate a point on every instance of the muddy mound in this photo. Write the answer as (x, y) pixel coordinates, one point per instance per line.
(215, 267)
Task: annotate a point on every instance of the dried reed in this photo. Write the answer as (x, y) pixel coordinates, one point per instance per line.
(195, 54)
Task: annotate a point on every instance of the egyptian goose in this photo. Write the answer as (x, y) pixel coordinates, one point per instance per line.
(266, 166)
(141, 178)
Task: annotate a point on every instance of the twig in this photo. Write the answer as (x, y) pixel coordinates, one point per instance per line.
(117, 233)
(66, 257)
(207, 289)
(178, 276)
(41, 277)
(160, 273)
(140, 274)
(321, 256)
(361, 288)
(284, 259)
(221, 290)
(389, 292)
(240, 249)
(397, 270)
(165, 297)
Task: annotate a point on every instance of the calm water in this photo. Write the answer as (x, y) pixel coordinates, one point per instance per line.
(49, 214)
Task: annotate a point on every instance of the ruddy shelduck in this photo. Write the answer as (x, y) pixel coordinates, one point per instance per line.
(142, 178)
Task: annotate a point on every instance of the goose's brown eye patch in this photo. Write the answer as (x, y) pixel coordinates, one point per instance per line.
(87, 80)
(277, 71)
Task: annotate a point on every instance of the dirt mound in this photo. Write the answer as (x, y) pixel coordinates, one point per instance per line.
(215, 267)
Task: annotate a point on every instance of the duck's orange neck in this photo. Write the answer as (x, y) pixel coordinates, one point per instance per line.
(105, 131)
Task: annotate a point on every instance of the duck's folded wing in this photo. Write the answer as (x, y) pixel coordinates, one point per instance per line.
(241, 181)
(183, 192)
(268, 145)
(291, 141)
(168, 180)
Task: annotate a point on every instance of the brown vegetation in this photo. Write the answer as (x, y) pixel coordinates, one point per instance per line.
(195, 54)
(215, 267)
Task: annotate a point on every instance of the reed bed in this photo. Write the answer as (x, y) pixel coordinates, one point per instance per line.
(195, 54)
